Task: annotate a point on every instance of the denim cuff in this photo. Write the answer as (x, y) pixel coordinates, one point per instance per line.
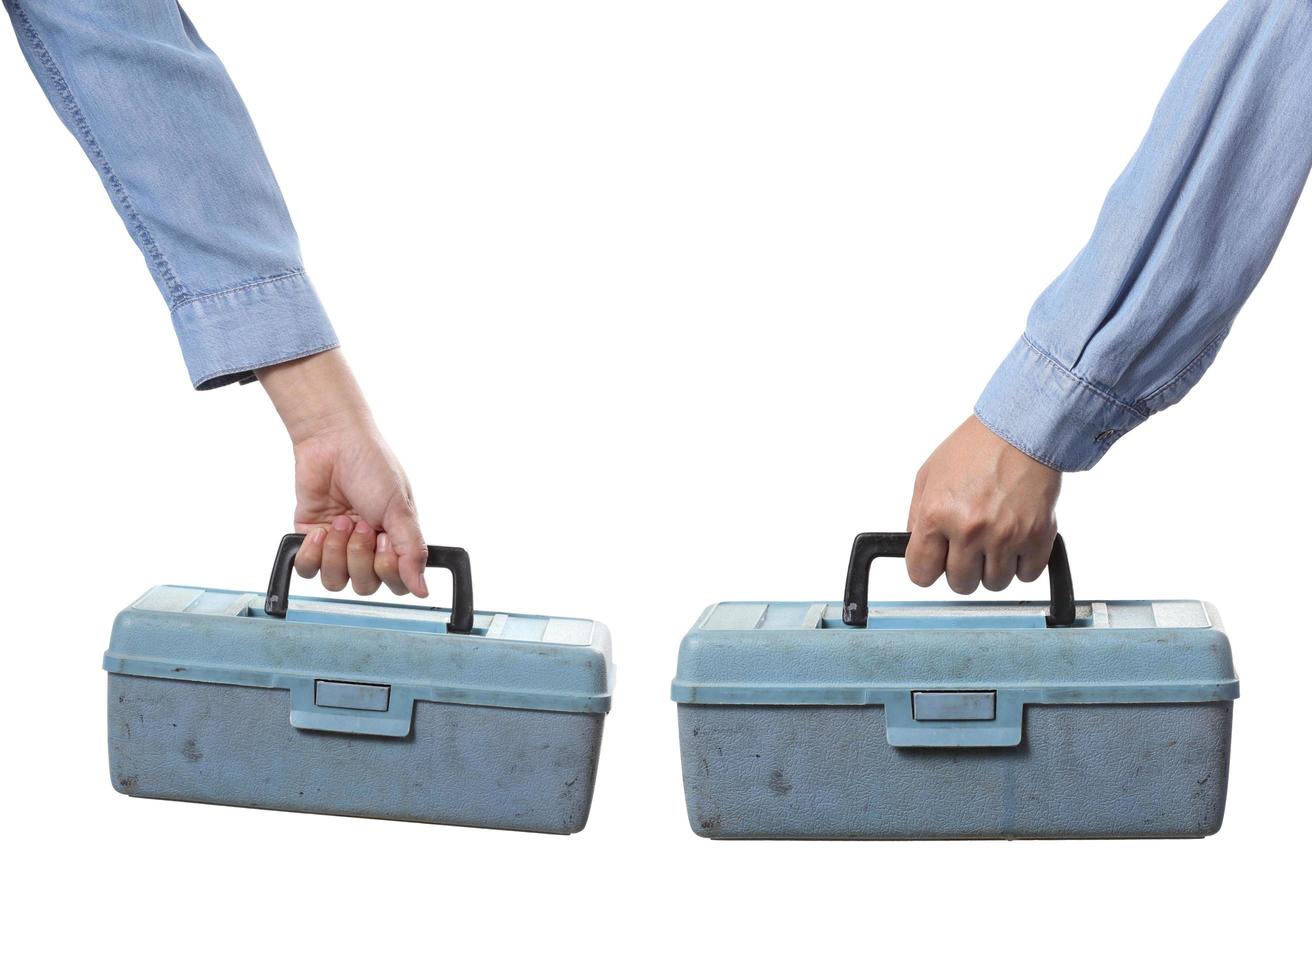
(1051, 414)
(226, 335)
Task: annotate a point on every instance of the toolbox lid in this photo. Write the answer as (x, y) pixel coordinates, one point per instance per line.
(359, 666)
(788, 653)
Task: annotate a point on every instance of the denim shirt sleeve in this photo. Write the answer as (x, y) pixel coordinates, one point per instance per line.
(155, 111)
(1184, 236)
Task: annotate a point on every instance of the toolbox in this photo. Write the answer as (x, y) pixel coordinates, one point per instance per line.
(921, 720)
(358, 708)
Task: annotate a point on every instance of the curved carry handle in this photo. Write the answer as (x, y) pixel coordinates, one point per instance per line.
(455, 559)
(867, 547)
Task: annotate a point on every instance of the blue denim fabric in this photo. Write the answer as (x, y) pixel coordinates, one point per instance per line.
(155, 111)
(1183, 238)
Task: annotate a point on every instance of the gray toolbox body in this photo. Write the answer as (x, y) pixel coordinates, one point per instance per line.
(358, 708)
(955, 719)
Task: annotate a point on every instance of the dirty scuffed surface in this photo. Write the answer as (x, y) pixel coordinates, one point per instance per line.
(474, 765)
(827, 771)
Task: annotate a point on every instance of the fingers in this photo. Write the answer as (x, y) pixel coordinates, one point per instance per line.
(310, 554)
(360, 553)
(333, 571)
(1033, 559)
(408, 542)
(349, 550)
(999, 568)
(385, 566)
(965, 567)
(992, 562)
(927, 554)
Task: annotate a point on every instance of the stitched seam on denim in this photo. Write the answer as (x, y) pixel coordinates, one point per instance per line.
(92, 146)
(279, 359)
(1183, 374)
(293, 274)
(1024, 447)
(1106, 396)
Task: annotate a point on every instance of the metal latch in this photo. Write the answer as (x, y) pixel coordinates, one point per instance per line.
(953, 705)
(343, 694)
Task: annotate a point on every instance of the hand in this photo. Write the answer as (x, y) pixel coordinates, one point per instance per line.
(982, 511)
(348, 484)
(353, 501)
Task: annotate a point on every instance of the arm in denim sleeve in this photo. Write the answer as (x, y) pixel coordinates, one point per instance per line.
(155, 111)
(1184, 236)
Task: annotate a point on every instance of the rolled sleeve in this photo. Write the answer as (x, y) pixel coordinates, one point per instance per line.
(156, 113)
(1050, 414)
(1183, 238)
(226, 335)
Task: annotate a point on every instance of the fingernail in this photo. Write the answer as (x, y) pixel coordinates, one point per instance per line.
(423, 586)
(362, 528)
(383, 543)
(317, 535)
(341, 523)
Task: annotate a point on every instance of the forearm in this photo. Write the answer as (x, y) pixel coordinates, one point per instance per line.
(1183, 238)
(157, 114)
(315, 394)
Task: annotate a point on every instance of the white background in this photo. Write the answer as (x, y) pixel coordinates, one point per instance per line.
(659, 303)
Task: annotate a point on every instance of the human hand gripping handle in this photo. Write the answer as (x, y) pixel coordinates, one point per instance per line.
(867, 547)
(982, 511)
(353, 501)
(455, 559)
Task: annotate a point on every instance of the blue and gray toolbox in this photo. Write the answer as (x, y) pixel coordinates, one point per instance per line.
(359, 708)
(905, 720)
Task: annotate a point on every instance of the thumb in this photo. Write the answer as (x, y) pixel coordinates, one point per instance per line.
(402, 526)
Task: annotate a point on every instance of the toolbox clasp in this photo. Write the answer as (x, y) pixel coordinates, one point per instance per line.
(954, 705)
(347, 694)
(954, 719)
(351, 707)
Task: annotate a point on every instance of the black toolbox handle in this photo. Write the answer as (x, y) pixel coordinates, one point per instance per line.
(454, 559)
(867, 547)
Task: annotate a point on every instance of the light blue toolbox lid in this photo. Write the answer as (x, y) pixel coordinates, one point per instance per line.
(358, 667)
(955, 673)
